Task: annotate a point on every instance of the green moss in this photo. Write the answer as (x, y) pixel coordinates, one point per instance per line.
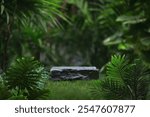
(70, 90)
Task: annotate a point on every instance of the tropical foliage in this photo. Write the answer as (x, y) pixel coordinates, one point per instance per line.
(25, 79)
(16, 14)
(25, 73)
(74, 33)
(124, 80)
(30, 11)
(129, 20)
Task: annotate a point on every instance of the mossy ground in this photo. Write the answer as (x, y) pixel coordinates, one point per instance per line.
(70, 90)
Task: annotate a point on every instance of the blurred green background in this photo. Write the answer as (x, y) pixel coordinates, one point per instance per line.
(74, 32)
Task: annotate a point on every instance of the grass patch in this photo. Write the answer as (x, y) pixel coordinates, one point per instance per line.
(70, 90)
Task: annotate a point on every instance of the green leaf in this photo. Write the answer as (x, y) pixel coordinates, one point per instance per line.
(2, 9)
(7, 17)
(114, 39)
(145, 41)
(130, 19)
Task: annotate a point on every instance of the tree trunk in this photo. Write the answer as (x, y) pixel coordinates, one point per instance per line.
(7, 36)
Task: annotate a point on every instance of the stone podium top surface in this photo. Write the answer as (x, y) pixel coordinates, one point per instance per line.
(60, 68)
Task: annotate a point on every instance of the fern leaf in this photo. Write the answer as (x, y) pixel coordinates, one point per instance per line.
(116, 68)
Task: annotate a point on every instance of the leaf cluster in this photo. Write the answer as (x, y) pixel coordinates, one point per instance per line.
(129, 23)
(25, 79)
(124, 80)
(24, 12)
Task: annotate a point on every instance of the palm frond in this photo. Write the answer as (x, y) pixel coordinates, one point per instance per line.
(35, 11)
(117, 68)
(109, 89)
(4, 92)
(124, 80)
(113, 89)
(25, 73)
(138, 80)
(113, 86)
(15, 95)
(38, 94)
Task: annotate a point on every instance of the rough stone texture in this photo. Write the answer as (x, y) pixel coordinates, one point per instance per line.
(74, 73)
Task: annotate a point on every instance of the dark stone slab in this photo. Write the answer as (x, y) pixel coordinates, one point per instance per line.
(74, 73)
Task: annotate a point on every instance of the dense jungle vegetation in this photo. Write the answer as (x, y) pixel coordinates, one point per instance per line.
(113, 35)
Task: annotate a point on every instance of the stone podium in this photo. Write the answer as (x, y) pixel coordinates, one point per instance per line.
(74, 73)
